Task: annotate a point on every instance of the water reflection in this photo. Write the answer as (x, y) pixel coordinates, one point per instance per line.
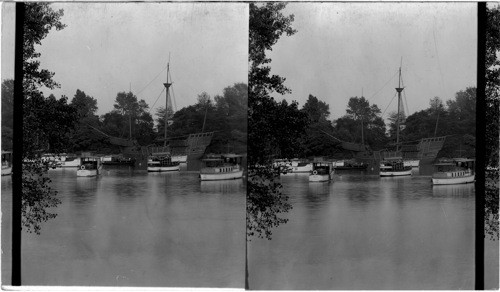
(317, 194)
(85, 189)
(221, 186)
(128, 228)
(461, 190)
(367, 232)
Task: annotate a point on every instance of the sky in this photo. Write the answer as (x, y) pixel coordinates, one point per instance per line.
(342, 50)
(108, 48)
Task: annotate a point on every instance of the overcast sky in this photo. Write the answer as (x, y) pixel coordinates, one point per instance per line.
(108, 47)
(342, 49)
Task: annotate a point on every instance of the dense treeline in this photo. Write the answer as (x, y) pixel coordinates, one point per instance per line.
(131, 119)
(363, 124)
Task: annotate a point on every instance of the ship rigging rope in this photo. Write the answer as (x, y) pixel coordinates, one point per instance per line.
(389, 104)
(152, 80)
(395, 73)
(173, 98)
(405, 102)
(156, 99)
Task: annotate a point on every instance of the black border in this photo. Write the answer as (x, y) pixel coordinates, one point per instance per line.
(17, 163)
(480, 145)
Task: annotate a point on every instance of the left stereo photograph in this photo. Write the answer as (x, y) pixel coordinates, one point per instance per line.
(134, 144)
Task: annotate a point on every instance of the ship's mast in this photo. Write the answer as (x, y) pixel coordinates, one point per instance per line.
(167, 86)
(398, 89)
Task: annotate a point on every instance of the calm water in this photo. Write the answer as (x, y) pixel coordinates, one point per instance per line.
(135, 229)
(367, 232)
(359, 232)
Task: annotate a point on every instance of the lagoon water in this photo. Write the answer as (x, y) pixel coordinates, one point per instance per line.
(366, 232)
(129, 228)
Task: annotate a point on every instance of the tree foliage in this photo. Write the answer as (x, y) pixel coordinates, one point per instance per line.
(225, 115)
(46, 121)
(362, 120)
(129, 119)
(492, 118)
(274, 126)
(7, 113)
(84, 138)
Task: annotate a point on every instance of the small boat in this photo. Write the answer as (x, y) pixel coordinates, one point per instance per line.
(338, 163)
(222, 167)
(179, 158)
(89, 166)
(454, 171)
(394, 166)
(282, 164)
(350, 165)
(321, 171)
(162, 163)
(6, 162)
(412, 162)
(54, 160)
(117, 160)
(300, 166)
(71, 161)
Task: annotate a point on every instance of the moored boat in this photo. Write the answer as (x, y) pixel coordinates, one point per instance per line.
(162, 163)
(350, 165)
(6, 162)
(322, 171)
(117, 160)
(394, 167)
(222, 167)
(300, 166)
(454, 171)
(411, 162)
(179, 158)
(89, 166)
(71, 161)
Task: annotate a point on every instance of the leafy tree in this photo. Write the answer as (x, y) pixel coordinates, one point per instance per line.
(130, 118)
(492, 118)
(7, 113)
(84, 138)
(114, 124)
(316, 110)
(360, 115)
(224, 114)
(46, 121)
(85, 105)
(462, 111)
(267, 25)
(231, 114)
(274, 127)
(315, 142)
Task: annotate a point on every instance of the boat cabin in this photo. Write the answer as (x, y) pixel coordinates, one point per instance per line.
(455, 165)
(222, 160)
(6, 158)
(90, 163)
(159, 159)
(395, 163)
(322, 167)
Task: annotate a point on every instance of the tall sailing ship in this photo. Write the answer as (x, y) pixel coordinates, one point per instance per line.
(189, 150)
(394, 166)
(413, 153)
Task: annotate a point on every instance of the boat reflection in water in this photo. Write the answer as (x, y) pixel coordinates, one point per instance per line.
(460, 190)
(221, 186)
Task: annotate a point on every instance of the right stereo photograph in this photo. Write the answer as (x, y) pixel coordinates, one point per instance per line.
(362, 146)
